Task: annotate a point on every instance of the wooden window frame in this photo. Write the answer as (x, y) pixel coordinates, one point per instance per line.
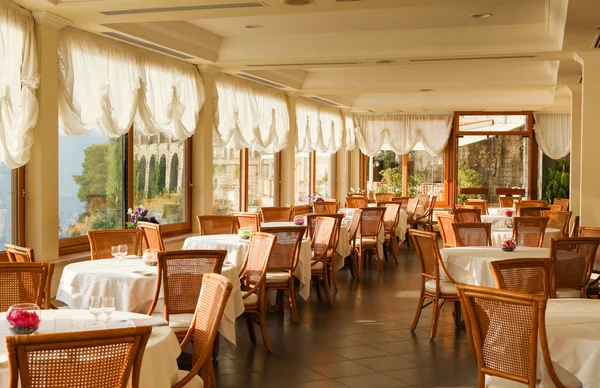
(244, 178)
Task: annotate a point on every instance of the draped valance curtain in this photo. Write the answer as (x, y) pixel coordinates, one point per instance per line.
(106, 85)
(553, 133)
(402, 132)
(249, 115)
(19, 79)
(320, 127)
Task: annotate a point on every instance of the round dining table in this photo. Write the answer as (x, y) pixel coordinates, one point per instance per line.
(159, 364)
(499, 220)
(500, 211)
(503, 233)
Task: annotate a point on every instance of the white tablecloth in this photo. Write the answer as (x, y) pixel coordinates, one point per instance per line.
(133, 284)
(496, 220)
(502, 233)
(159, 364)
(499, 211)
(471, 265)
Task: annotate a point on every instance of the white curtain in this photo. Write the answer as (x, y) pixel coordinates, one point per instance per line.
(350, 132)
(249, 115)
(553, 133)
(106, 85)
(320, 127)
(402, 132)
(19, 80)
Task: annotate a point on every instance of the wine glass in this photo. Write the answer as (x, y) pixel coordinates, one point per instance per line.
(109, 306)
(122, 251)
(114, 251)
(95, 307)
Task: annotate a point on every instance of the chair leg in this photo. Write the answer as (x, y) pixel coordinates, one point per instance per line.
(209, 375)
(332, 273)
(317, 288)
(378, 259)
(292, 298)
(262, 314)
(395, 248)
(250, 326)
(418, 313)
(327, 290)
(435, 319)
(215, 352)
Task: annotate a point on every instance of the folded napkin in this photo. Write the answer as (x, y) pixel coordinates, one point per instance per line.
(149, 321)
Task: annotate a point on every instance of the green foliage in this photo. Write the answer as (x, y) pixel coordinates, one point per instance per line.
(467, 177)
(153, 184)
(391, 180)
(415, 181)
(558, 181)
(387, 159)
(93, 179)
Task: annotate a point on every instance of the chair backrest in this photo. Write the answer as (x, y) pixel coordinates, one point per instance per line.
(467, 215)
(575, 227)
(355, 202)
(572, 261)
(254, 270)
(213, 298)
(558, 220)
(354, 224)
(531, 211)
(300, 210)
(251, 221)
(101, 242)
(533, 203)
(555, 208)
(384, 197)
(323, 238)
(25, 283)
(589, 231)
(277, 214)
(509, 201)
(429, 255)
(152, 235)
(391, 217)
(531, 276)
(371, 221)
(326, 207)
(17, 254)
(284, 256)
(445, 222)
(562, 202)
(529, 231)
(411, 209)
(423, 200)
(472, 234)
(180, 278)
(100, 358)
(401, 200)
(481, 204)
(505, 327)
(209, 225)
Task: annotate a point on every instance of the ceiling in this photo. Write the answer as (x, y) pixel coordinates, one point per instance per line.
(439, 58)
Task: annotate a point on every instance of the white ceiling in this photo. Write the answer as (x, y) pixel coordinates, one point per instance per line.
(520, 58)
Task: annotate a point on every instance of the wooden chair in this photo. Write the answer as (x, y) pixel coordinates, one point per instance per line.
(423, 200)
(533, 203)
(593, 288)
(572, 263)
(481, 204)
(101, 242)
(426, 220)
(152, 235)
(506, 347)
(251, 221)
(432, 286)
(472, 234)
(322, 245)
(100, 358)
(562, 202)
(277, 214)
(212, 300)
(529, 231)
(357, 202)
(558, 220)
(352, 233)
(575, 227)
(531, 276)
(391, 217)
(25, 283)
(384, 197)
(252, 278)
(467, 215)
(509, 201)
(555, 208)
(283, 262)
(326, 207)
(531, 211)
(180, 282)
(300, 210)
(371, 222)
(210, 225)
(445, 222)
(403, 201)
(17, 254)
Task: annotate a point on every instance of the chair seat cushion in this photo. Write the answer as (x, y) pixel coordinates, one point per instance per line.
(195, 382)
(277, 277)
(568, 293)
(499, 382)
(317, 266)
(178, 322)
(446, 287)
(252, 299)
(566, 378)
(368, 241)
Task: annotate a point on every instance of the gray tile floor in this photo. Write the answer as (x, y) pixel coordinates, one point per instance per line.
(364, 340)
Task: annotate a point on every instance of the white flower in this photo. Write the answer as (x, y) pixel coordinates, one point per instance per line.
(130, 211)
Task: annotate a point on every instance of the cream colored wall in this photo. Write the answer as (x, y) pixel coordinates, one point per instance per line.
(575, 184)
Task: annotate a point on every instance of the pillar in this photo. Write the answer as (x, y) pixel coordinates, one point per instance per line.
(287, 161)
(575, 175)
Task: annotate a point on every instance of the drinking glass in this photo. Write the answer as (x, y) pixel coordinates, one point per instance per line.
(114, 251)
(63, 324)
(122, 251)
(95, 307)
(109, 306)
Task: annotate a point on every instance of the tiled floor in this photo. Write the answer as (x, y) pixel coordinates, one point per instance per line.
(364, 340)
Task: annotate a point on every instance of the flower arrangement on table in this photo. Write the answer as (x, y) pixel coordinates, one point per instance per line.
(139, 214)
(508, 245)
(24, 318)
(355, 191)
(509, 213)
(312, 198)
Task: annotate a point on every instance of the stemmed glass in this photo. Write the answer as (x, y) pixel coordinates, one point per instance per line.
(114, 251)
(109, 306)
(95, 307)
(122, 251)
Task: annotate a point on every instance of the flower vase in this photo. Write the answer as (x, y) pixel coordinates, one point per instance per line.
(24, 318)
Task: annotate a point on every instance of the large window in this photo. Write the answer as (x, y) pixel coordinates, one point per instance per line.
(261, 180)
(385, 172)
(302, 184)
(323, 175)
(426, 174)
(7, 202)
(226, 180)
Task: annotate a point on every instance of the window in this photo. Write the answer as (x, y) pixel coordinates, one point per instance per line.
(323, 175)
(226, 180)
(554, 177)
(7, 200)
(426, 173)
(385, 172)
(302, 184)
(261, 180)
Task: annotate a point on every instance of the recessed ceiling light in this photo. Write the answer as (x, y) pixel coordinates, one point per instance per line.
(297, 2)
(425, 90)
(483, 15)
(384, 61)
(252, 26)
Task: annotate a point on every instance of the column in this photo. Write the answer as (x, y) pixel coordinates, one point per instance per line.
(575, 184)
(287, 165)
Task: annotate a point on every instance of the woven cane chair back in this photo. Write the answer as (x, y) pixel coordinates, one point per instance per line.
(473, 234)
(481, 204)
(209, 225)
(277, 214)
(250, 221)
(531, 276)
(531, 211)
(354, 224)
(371, 221)
(357, 202)
(152, 235)
(25, 283)
(463, 215)
(326, 207)
(17, 254)
(445, 222)
(391, 216)
(254, 270)
(558, 220)
(562, 202)
(427, 250)
(509, 201)
(529, 231)
(284, 256)
(101, 242)
(572, 261)
(590, 231)
(384, 197)
(323, 238)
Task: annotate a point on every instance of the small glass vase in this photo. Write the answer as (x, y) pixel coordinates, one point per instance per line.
(150, 257)
(24, 318)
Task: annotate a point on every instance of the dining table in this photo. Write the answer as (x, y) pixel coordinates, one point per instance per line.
(499, 220)
(159, 364)
(503, 233)
(500, 211)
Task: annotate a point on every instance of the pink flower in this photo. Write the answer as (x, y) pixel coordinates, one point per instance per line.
(509, 213)
(299, 220)
(509, 244)
(23, 318)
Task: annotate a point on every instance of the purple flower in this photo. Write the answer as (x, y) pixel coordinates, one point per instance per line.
(143, 213)
(139, 209)
(132, 218)
(153, 219)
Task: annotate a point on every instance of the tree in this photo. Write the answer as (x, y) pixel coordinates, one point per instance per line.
(558, 181)
(391, 179)
(467, 177)
(93, 179)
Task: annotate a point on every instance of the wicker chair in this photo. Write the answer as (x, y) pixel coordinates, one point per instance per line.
(203, 330)
(467, 215)
(423, 200)
(326, 207)
(472, 234)
(533, 203)
(322, 244)
(558, 220)
(509, 201)
(529, 231)
(101, 242)
(352, 233)
(432, 286)
(180, 281)
(531, 276)
(25, 283)
(252, 278)
(246, 220)
(531, 211)
(152, 235)
(403, 201)
(283, 262)
(481, 204)
(575, 227)
(572, 262)
(17, 254)
(562, 202)
(277, 214)
(445, 222)
(506, 346)
(210, 225)
(100, 358)
(371, 222)
(384, 197)
(391, 217)
(300, 210)
(593, 288)
(357, 202)
(426, 219)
